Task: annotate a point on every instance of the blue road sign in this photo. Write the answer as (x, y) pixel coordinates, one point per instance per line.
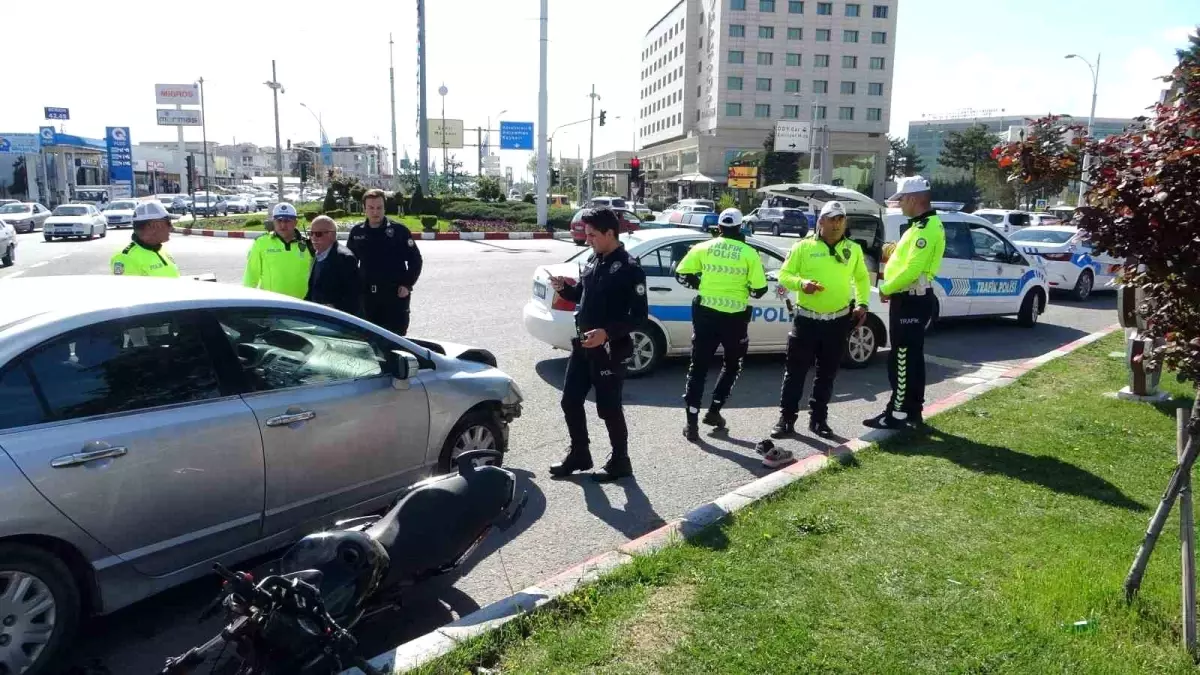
(120, 161)
(516, 135)
(20, 144)
(58, 114)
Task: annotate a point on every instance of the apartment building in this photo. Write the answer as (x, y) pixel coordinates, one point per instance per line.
(716, 75)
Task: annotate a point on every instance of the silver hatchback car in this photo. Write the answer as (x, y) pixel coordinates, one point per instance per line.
(149, 427)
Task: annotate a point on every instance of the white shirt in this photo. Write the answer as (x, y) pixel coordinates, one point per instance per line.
(323, 254)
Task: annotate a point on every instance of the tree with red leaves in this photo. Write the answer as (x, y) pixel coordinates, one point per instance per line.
(1045, 159)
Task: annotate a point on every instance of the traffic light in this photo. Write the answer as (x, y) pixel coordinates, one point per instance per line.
(303, 172)
(635, 170)
(190, 162)
(553, 177)
(603, 114)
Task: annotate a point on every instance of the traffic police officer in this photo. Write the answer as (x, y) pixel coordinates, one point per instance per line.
(390, 264)
(726, 271)
(907, 282)
(829, 274)
(145, 256)
(282, 260)
(611, 299)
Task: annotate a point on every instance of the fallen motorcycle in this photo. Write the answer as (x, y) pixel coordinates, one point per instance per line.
(297, 620)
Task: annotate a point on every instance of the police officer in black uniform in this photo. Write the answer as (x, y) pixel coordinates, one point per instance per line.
(390, 263)
(611, 299)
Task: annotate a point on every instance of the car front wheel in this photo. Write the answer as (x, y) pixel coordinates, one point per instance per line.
(39, 610)
(1083, 286)
(648, 350)
(477, 430)
(863, 343)
(1031, 309)
(10, 256)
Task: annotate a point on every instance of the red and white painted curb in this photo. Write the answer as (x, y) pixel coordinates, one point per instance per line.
(423, 236)
(438, 643)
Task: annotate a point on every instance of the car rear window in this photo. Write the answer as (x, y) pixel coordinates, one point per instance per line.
(993, 218)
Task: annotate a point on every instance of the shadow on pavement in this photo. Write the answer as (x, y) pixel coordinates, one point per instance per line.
(535, 507)
(752, 463)
(996, 338)
(636, 518)
(1049, 472)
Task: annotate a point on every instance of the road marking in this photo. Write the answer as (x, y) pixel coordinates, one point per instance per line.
(60, 257)
(39, 264)
(13, 275)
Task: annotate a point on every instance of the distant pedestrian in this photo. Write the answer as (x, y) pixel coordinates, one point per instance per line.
(908, 284)
(610, 302)
(282, 260)
(145, 256)
(833, 289)
(389, 263)
(334, 280)
(727, 272)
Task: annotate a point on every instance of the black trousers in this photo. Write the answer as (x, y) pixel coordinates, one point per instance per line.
(813, 342)
(906, 362)
(712, 329)
(597, 369)
(384, 309)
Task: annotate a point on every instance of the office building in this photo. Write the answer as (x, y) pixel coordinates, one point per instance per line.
(717, 75)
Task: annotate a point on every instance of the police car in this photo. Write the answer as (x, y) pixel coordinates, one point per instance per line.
(550, 318)
(982, 272)
(1071, 263)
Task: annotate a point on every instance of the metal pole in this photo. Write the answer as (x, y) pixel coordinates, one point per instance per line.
(422, 109)
(182, 154)
(1091, 121)
(274, 85)
(392, 89)
(591, 143)
(204, 136)
(443, 91)
(812, 132)
(542, 179)
(1187, 536)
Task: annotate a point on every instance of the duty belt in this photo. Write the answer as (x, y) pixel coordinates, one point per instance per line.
(821, 316)
(918, 287)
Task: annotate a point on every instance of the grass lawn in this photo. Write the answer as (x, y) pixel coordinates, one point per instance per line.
(239, 222)
(971, 549)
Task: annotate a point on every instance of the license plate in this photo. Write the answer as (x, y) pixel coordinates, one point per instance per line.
(539, 289)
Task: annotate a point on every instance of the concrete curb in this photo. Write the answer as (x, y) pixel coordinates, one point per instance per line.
(438, 643)
(423, 236)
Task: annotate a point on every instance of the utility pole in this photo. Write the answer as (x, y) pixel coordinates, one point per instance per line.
(591, 142)
(204, 134)
(479, 147)
(392, 90)
(422, 110)
(543, 178)
(275, 89)
(812, 145)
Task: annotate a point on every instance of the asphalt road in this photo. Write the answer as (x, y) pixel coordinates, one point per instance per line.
(473, 292)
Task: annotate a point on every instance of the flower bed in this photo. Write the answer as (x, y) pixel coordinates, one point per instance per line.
(465, 225)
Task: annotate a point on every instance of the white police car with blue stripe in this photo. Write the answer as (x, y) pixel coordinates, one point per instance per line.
(1071, 263)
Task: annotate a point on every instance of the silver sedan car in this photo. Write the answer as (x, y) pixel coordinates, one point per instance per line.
(149, 427)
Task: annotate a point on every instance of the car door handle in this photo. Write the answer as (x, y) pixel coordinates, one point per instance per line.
(75, 459)
(661, 289)
(290, 418)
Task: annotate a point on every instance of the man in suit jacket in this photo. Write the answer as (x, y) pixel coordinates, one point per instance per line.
(334, 280)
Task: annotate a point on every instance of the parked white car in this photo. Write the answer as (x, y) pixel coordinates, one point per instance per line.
(8, 245)
(82, 221)
(668, 332)
(24, 216)
(1005, 220)
(119, 213)
(1071, 263)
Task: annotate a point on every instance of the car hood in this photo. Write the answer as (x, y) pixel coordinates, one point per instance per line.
(457, 351)
(68, 220)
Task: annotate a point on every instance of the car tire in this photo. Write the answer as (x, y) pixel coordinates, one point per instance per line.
(580, 242)
(649, 346)
(44, 573)
(863, 343)
(104, 232)
(775, 230)
(1031, 309)
(1083, 286)
(49, 238)
(472, 433)
(10, 256)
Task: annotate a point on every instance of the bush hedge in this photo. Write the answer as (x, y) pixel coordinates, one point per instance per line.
(558, 217)
(429, 223)
(392, 202)
(336, 213)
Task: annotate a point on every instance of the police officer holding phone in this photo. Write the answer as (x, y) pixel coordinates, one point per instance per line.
(611, 302)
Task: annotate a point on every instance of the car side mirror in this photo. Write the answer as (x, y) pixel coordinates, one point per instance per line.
(402, 366)
(773, 275)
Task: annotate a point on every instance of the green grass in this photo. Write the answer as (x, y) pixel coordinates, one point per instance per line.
(972, 549)
(239, 222)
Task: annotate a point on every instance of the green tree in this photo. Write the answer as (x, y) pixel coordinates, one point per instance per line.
(777, 167)
(488, 189)
(902, 159)
(20, 179)
(969, 150)
(1045, 159)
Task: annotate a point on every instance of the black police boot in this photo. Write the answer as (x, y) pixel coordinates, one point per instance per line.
(691, 431)
(820, 427)
(616, 468)
(786, 426)
(713, 417)
(576, 460)
(885, 420)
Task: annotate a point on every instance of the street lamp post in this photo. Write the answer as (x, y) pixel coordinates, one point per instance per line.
(321, 141)
(442, 91)
(591, 142)
(204, 135)
(276, 88)
(1091, 120)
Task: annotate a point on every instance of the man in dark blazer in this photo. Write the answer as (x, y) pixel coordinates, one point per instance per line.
(334, 280)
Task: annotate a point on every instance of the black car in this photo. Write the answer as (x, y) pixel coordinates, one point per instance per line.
(777, 221)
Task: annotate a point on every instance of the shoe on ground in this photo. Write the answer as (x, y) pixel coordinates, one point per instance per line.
(615, 468)
(574, 461)
(692, 433)
(820, 428)
(777, 457)
(785, 427)
(885, 421)
(764, 446)
(713, 419)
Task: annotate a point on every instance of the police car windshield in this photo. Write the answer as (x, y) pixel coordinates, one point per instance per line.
(1043, 236)
(71, 211)
(121, 206)
(993, 218)
(15, 208)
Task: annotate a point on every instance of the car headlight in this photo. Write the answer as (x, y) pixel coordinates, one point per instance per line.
(514, 395)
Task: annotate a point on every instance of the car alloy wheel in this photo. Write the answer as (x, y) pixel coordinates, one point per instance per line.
(1083, 286)
(28, 614)
(861, 344)
(475, 437)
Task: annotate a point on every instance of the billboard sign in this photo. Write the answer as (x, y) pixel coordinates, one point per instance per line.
(743, 183)
(177, 94)
(793, 136)
(169, 117)
(516, 135)
(20, 144)
(120, 162)
(743, 172)
(58, 114)
(446, 134)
